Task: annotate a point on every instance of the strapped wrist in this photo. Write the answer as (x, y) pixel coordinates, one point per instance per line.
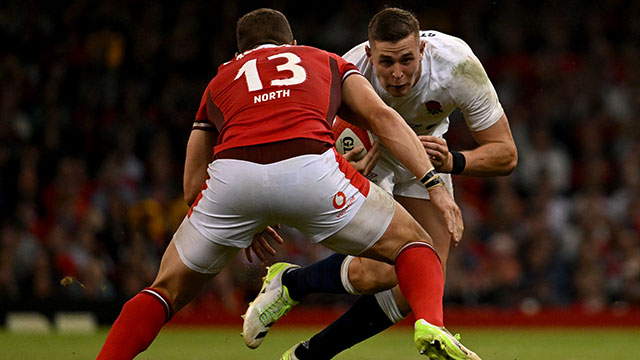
(459, 162)
(431, 179)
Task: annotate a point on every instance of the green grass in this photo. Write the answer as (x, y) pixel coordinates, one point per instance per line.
(396, 344)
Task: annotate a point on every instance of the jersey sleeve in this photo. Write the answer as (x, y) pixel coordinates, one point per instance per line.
(358, 56)
(209, 117)
(474, 93)
(202, 121)
(345, 67)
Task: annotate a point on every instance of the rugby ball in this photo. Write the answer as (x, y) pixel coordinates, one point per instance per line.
(349, 136)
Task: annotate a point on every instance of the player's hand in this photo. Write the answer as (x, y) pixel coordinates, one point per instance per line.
(368, 162)
(260, 244)
(443, 200)
(438, 152)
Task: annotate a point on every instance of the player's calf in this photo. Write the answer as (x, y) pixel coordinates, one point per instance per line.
(368, 276)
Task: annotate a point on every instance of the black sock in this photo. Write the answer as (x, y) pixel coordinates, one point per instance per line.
(363, 320)
(320, 277)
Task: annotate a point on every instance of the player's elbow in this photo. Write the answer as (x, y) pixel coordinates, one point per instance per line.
(189, 199)
(511, 160)
(189, 195)
(381, 119)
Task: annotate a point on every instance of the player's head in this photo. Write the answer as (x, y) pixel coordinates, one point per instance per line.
(263, 26)
(395, 49)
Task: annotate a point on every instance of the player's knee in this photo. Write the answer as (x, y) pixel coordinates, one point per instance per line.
(411, 232)
(441, 243)
(178, 298)
(370, 277)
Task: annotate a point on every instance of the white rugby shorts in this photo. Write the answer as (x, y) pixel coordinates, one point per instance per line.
(320, 195)
(393, 177)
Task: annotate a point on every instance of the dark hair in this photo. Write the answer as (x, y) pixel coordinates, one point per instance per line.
(262, 26)
(393, 24)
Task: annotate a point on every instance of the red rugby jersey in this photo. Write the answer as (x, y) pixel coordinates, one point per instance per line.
(274, 93)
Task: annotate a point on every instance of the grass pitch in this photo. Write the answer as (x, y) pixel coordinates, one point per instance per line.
(396, 344)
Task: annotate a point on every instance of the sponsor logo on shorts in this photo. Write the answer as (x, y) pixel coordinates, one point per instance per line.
(339, 200)
(349, 203)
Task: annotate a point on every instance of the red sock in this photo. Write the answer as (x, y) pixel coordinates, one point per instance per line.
(421, 281)
(137, 326)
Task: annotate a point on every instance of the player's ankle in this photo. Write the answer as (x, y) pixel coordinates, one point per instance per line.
(288, 285)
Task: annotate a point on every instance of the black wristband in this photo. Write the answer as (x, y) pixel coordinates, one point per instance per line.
(431, 173)
(459, 162)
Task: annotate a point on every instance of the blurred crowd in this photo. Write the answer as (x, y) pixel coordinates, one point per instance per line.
(97, 100)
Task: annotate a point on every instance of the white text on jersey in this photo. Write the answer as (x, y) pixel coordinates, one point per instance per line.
(271, 96)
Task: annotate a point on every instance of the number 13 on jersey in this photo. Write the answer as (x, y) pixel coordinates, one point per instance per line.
(254, 81)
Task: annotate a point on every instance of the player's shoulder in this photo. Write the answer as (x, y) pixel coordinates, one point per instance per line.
(357, 52)
(306, 50)
(438, 38)
(358, 57)
(444, 46)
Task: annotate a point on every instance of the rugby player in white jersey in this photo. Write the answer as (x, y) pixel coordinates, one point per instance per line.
(425, 76)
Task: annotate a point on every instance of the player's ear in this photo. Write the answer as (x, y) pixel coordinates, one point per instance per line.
(367, 50)
(422, 46)
(294, 42)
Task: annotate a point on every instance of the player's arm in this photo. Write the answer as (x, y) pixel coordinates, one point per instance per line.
(496, 154)
(364, 108)
(362, 105)
(199, 155)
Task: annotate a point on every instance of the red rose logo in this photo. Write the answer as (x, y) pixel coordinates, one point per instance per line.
(433, 107)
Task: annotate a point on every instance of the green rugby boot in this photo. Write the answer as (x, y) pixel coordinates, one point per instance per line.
(291, 353)
(438, 344)
(272, 303)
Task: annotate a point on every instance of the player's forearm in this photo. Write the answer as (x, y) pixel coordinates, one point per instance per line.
(401, 140)
(494, 159)
(193, 184)
(198, 157)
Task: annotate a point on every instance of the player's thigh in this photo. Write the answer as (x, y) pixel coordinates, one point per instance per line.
(402, 230)
(369, 276)
(176, 281)
(233, 205)
(378, 230)
(432, 220)
(367, 224)
(188, 264)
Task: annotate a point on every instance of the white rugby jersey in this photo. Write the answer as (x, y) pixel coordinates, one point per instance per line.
(451, 77)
